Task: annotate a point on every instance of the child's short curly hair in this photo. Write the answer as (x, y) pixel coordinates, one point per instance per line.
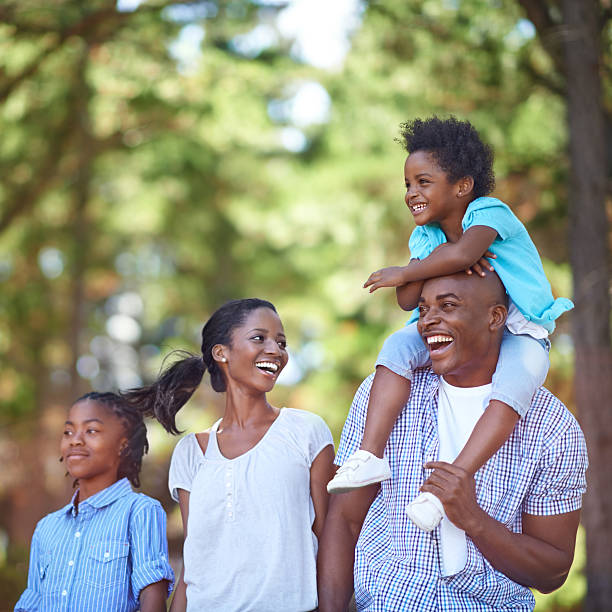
(456, 146)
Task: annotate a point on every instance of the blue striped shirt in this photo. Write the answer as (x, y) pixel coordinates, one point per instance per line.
(540, 470)
(99, 558)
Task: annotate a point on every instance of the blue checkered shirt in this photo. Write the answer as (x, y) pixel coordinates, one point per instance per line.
(540, 470)
(99, 559)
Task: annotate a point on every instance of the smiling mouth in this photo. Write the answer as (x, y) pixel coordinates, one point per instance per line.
(419, 207)
(267, 366)
(438, 343)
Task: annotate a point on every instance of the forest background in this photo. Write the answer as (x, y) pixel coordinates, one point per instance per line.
(159, 158)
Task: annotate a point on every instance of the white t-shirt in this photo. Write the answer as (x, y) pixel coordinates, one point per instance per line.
(459, 408)
(250, 545)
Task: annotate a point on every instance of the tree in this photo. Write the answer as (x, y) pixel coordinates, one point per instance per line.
(576, 35)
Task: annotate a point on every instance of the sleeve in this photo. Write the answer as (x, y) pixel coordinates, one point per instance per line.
(420, 243)
(320, 437)
(31, 597)
(352, 432)
(494, 214)
(561, 480)
(182, 467)
(149, 548)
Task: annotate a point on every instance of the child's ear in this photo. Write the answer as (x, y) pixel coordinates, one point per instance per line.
(465, 186)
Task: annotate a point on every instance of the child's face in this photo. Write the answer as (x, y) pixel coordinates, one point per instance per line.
(92, 442)
(430, 196)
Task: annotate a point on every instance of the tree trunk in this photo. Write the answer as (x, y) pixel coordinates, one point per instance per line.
(590, 265)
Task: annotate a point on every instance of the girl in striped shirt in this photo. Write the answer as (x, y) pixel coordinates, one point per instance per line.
(107, 549)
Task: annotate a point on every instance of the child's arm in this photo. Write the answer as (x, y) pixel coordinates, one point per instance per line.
(153, 597)
(448, 258)
(179, 601)
(408, 295)
(30, 598)
(491, 431)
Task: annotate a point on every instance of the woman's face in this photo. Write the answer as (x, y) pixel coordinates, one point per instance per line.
(258, 351)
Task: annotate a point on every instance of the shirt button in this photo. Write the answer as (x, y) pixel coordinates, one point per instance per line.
(228, 484)
(64, 593)
(229, 504)
(77, 534)
(106, 555)
(230, 514)
(71, 563)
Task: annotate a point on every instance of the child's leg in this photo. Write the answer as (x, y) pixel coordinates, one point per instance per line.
(521, 370)
(523, 360)
(402, 352)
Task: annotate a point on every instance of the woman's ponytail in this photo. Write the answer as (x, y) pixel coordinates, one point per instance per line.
(170, 392)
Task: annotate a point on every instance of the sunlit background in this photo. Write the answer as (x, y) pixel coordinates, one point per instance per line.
(160, 158)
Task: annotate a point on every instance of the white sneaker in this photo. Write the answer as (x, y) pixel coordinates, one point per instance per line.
(361, 469)
(425, 511)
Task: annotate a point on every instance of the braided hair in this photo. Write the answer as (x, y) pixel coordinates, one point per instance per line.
(130, 461)
(177, 382)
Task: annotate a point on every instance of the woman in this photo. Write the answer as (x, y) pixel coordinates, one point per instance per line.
(252, 489)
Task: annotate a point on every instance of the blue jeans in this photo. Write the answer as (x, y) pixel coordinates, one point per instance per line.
(521, 368)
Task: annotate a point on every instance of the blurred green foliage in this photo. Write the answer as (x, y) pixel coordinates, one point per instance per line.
(141, 189)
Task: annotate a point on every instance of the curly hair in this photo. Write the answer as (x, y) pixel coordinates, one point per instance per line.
(456, 146)
(135, 431)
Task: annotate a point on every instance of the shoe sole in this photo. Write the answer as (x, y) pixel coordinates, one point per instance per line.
(347, 488)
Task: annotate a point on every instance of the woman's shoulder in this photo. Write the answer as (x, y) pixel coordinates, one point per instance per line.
(307, 424)
(304, 417)
(187, 445)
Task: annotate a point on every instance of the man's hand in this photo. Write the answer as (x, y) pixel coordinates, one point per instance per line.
(540, 556)
(386, 277)
(456, 489)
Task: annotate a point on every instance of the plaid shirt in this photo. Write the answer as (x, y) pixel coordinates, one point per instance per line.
(540, 470)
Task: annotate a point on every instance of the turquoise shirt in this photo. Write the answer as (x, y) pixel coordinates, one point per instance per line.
(518, 262)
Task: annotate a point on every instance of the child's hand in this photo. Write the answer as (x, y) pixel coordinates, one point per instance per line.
(386, 277)
(480, 264)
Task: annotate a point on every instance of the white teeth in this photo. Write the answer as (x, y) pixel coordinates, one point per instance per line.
(418, 207)
(434, 339)
(267, 365)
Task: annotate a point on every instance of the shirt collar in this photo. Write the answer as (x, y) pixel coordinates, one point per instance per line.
(103, 498)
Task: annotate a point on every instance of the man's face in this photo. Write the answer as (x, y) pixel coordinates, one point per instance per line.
(455, 322)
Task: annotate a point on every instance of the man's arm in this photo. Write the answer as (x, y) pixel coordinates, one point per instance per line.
(539, 557)
(336, 556)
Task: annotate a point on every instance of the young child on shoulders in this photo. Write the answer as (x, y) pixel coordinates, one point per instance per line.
(448, 175)
(107, 549)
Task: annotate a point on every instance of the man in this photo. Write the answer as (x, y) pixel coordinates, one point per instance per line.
(511, 527)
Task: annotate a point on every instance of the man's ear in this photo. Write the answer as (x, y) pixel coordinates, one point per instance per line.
(465, 186)
(498, 315)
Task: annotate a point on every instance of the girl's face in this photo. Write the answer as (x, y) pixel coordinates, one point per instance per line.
(258, 351)
(91, 444)
(430, 196)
